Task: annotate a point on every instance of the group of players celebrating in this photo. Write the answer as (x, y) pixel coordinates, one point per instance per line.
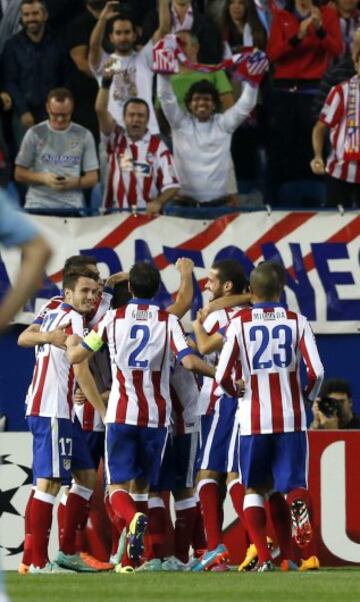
(117, 379)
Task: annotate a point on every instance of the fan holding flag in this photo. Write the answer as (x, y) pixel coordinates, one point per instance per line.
(202, 136)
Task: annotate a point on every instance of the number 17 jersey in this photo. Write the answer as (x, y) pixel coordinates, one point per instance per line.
(269, 342)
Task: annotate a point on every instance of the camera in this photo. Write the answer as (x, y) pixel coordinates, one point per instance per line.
(330, 407)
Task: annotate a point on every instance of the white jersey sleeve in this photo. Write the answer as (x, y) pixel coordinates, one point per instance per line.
(178, 342)
(228, 358)
(310, 355)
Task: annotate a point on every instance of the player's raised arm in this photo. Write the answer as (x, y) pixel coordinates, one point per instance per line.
(17, 231)
(185, 293)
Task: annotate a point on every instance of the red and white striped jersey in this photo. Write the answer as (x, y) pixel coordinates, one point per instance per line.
(210, 391)
(333, 115)
(184, 391)
(141, 339)
(49, 306)
(269, 342)
(52, 388)
(89, 418)
(138, 171)
(102, 305)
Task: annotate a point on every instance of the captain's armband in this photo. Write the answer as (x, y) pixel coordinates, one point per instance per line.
(93, 341)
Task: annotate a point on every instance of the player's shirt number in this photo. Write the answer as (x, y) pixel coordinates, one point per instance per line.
(47, 324)
(142, 334)
(282, 353)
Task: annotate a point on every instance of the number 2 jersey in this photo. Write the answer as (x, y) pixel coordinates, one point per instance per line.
(269, 342)
(51, 392)
(141, 339)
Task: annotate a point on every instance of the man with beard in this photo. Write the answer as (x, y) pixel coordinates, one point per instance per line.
(81, 81)
(133, 74)
(34, 63)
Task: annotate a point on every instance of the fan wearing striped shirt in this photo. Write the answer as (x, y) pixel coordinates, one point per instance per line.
(269, 342)
(141, 174)
(341, 115)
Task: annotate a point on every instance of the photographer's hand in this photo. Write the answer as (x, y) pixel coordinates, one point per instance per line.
(328, 423)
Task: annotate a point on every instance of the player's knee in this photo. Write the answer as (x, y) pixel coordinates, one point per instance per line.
(50, 486)
(86, 478)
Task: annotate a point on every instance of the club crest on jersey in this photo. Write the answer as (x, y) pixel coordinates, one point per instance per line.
(66, 464)
(142, 168)
(73, 144)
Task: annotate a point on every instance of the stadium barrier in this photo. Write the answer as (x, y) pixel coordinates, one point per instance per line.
(333, 483)
(320, 251)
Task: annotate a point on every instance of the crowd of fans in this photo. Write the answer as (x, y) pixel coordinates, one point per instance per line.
(75, 142)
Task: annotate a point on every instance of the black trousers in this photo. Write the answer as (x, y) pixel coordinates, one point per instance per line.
(339, 192)
(288, 144)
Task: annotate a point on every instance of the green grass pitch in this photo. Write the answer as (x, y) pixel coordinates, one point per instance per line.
(336, 585)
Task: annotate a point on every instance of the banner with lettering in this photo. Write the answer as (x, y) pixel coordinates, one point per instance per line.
(320, 251)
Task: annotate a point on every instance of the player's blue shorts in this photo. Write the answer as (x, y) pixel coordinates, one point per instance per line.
(218, 445)
(133, 452)
(82, 457)
(59, 447)
(52, 447)
(95, 441)
(178, 466)
(282, 457)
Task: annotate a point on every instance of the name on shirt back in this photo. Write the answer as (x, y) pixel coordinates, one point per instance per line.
(142, 314)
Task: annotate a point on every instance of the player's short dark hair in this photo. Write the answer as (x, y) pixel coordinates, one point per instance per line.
(280, 271)
(42, 2)
(231, 270)
(60, 94)
(136, 101)
(335, 385)
(78, 263)
(264, 281)
(144, 280)
(120, 17)
(71, 278)
(203, 87)
(121, 294)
